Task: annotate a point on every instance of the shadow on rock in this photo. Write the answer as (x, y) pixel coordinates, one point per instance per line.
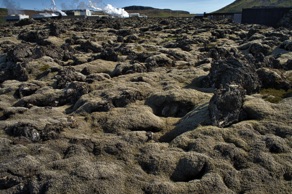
(199, 116)
(190, 168)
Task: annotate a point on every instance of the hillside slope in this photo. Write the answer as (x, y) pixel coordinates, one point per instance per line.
(238, 5)
(3, 13)
(155, 12)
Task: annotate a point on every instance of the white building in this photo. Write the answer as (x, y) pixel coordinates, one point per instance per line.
(138, 15)
(16, 17)
(85, 12)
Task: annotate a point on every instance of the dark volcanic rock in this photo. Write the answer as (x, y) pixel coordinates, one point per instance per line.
(122, 69)
(74, 91)
(54, 52)
(66, 76)
(23, 52)
(31, 132)
(56, 29)
(87, 106)
(287, 45)
(126, 97)
(160, 60)
(46, 97)
(24, 22)
(288, 65)
(24, 129)
(257, 48)
(33, 36)
(52, 131)
(131, 39)
(225, 106)
(109, 54)
(182, 43)
(233, 71)
(90, 46)
(124, 32)
(27, 89)
(220, 53)
(13, 71)
(219, 33)
(270, 78)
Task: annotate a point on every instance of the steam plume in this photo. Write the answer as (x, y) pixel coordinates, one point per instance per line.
(93, 5)
(54, 8)
(13, 8)
(82, 5)
(97, 5)
(109, 9)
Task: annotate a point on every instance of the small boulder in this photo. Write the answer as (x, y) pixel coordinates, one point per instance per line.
(27, 89)
(66, 76)
(24, 129)
(271, 78)
(90, 46)
(160, 60)
(56, 29)
(20, 53)
(127, 68)
(225, 107)
(24, 22)
(287, 45)
(13, 71)
(33, 36)
(233, 71)
(109, 54)
(256, 48)
(131, 39)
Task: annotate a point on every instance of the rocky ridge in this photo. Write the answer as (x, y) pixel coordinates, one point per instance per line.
(144, 106)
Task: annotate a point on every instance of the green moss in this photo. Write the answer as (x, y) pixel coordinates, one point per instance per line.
(44, 67)
(274, 96)
(3, 13)
(238, 5)
(139, 48)
(2, 20)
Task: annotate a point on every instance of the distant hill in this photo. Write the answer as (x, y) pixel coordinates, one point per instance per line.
(149, 11)
(238, 5)
(3, 13)
(155, 12)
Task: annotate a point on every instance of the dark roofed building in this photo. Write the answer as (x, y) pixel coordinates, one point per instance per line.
(269, 16)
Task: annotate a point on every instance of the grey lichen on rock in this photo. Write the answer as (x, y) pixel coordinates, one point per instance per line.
(226, 105)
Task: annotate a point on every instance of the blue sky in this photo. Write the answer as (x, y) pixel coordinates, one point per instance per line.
(193, 6)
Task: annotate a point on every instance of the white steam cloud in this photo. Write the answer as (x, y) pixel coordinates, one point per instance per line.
(96, 5)
(109, 9)
(119, 12)
(12, 7)
(54, 8)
